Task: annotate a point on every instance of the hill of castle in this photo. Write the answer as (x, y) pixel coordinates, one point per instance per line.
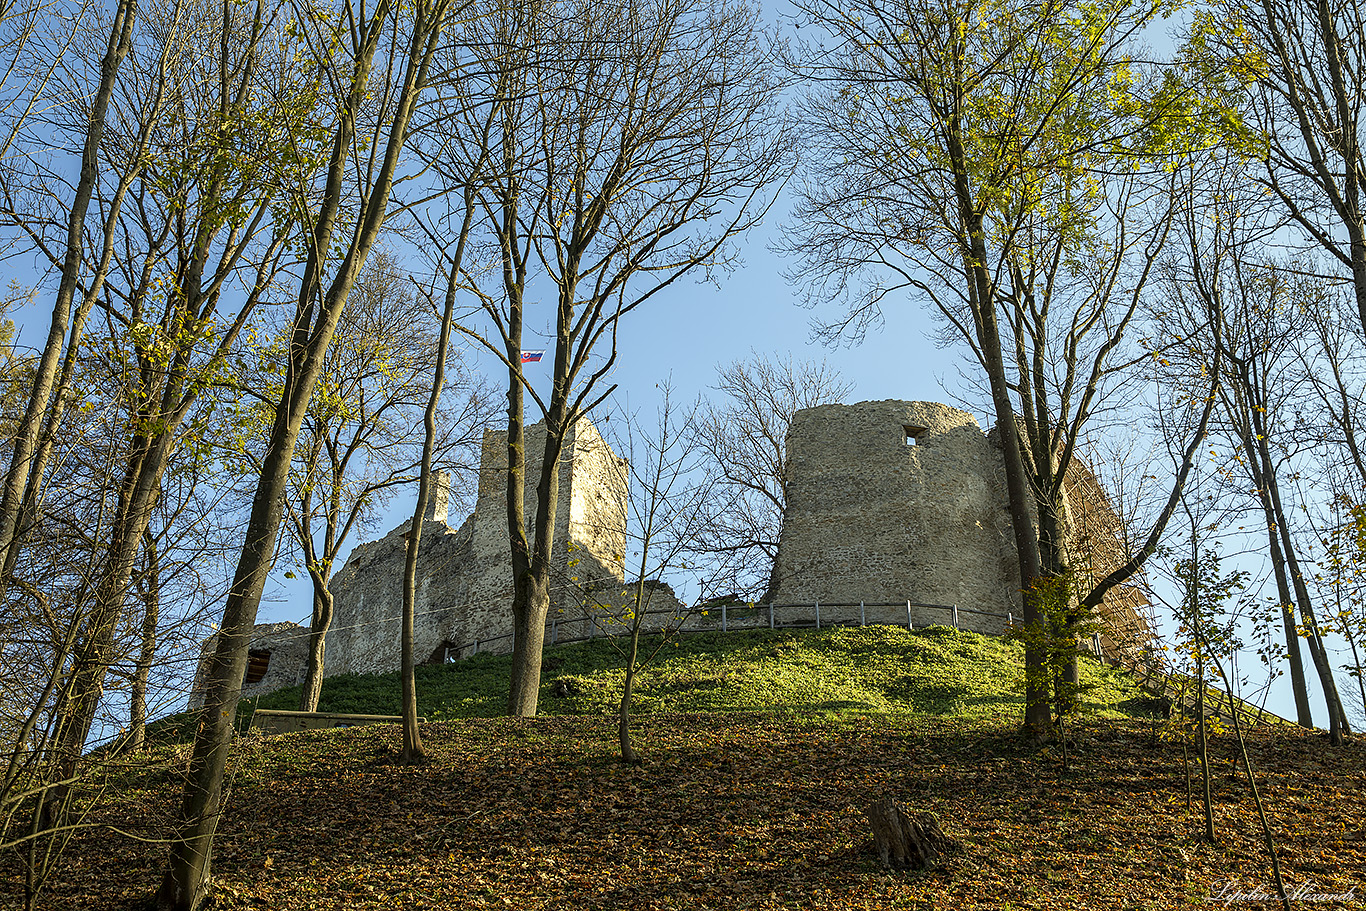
(897, 514)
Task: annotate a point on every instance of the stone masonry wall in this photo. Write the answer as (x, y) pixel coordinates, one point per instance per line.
(906, 501)
(464, 588)
(896, 501)
(281, 649)
(1098, 544)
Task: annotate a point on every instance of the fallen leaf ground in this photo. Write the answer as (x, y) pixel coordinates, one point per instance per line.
(740, 810)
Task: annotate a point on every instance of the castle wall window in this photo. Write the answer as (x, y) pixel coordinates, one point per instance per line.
(913, 433)
(258, 662)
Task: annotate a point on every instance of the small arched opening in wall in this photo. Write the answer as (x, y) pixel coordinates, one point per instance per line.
(913, 433)
(258, 662)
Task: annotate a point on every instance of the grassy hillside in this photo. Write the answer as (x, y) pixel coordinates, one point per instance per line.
(755, 809)
(844, 671)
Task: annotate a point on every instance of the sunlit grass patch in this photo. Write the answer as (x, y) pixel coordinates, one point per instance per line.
(844, 671)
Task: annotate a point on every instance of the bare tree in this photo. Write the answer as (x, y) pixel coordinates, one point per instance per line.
(43, 620)
(47, 393)
(631, 143)
(1260, 330)
(1304, 61)
(173, 226)
(456, 150)
(669, 493)
(745, 435)
(1226, 301)
(361, 436)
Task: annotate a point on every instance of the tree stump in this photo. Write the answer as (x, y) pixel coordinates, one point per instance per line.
(905, 841)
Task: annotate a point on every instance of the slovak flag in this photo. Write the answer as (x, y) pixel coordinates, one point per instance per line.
(531, 357)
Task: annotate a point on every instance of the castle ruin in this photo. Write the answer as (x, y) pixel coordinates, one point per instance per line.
(464, 583)
(899, 510)
(897, 513)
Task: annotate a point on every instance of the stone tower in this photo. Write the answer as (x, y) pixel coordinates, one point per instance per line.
(892, 502)
(464, 577)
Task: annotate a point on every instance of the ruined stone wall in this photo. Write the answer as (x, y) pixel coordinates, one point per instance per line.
(464, 575)
(368, 598)
(1097, 545)
(906, 501)
(280, 649)
(896, 501)
(597, 506)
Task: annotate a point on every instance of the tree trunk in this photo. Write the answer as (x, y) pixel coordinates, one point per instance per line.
(137, 724)
(29, 503)
(412, 737)
(982, 300)
(25, 512)
(85, 685)
(1203, 738)
(1338, 726)
(531, 602)
(905, 841)
(188, 873)
(1261, 478)
(529, 632)
(1038, 720)
(520, 550)
(30, 425)
(1358, 254)
(1346, 143)
(628, 751)
(317, 649)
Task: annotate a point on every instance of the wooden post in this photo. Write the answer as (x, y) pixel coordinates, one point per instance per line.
(862, 617)
(955, 616)
(909, 627)
(818, 615)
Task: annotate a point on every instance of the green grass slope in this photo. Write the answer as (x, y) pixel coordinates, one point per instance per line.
(844, 671)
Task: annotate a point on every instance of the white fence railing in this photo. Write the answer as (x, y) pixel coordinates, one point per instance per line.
(738, 616)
